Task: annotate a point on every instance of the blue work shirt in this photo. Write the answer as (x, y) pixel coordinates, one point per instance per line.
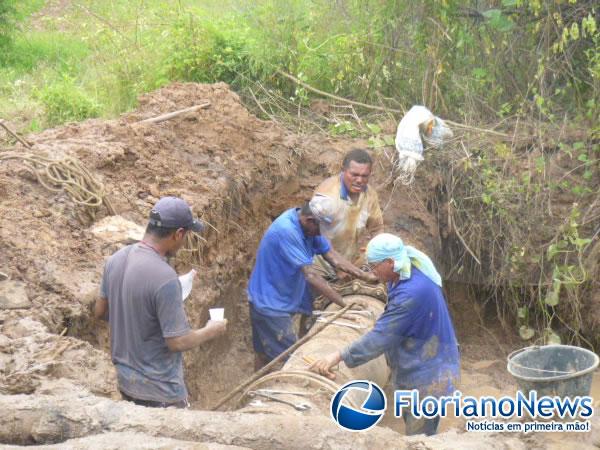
(416, 334)
(277, 286)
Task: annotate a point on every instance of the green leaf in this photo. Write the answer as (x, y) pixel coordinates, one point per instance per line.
(526, 332)
(580, 243)
(479, 72)
(507, 3)
(583, 157)
(498, 21)
(540, 163)
(491, 13)
(552, 251)
(376, 142)
(552, 298)
(587, 175)
(522, 312)
(375, 129)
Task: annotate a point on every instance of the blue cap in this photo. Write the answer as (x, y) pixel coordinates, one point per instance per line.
(174, 212)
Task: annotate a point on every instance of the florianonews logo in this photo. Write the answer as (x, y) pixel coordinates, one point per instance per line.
(368, 398)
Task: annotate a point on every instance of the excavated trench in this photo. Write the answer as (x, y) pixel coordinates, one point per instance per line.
(218, 366)
(239, 173)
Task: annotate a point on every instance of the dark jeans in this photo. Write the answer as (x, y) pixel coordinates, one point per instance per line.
(152, 404)
(271, 335)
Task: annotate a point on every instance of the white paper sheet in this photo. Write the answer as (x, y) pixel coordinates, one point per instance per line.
(187, 282)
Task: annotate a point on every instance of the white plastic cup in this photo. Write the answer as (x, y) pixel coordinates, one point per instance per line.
(217, 314)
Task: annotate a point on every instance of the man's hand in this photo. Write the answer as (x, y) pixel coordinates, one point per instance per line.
(323, 366)
(216, 327)
(343, 276)
(320, 286)
(194, 338)
(342, 264)
(370, 277)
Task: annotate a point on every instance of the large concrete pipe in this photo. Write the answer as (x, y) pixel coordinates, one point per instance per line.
(294, 388)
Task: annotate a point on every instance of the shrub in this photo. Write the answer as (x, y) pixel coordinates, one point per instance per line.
(64, 101)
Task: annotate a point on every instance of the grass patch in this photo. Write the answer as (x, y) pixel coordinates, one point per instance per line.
(25, 8)
(64, 101)
(27, 51)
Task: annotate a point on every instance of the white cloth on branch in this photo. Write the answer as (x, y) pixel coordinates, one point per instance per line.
(417, 128)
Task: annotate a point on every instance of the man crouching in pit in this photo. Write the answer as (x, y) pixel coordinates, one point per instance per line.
(283, 277)
(141, 299)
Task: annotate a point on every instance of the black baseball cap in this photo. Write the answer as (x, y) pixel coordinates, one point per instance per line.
(174, 212)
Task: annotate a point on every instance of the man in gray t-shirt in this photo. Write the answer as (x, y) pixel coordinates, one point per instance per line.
(141, 299)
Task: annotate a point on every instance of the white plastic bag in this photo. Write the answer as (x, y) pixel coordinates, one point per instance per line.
(418, 126)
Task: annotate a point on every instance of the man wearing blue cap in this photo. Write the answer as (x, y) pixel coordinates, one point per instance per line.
(415, 330)
(142, 301)
(283, 275)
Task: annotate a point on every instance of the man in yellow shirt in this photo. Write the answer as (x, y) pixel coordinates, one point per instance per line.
(356, 209)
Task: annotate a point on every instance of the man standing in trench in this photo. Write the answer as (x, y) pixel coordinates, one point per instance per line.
(355, 208)
(415, 330)
(141, 299)
(283, 272)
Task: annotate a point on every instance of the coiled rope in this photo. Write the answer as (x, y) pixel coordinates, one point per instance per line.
(65, 175)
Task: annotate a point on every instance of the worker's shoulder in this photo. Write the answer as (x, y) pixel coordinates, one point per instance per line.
(330, 186)
(146, 263)
(420, 285)
(119, 255)
(285, 225)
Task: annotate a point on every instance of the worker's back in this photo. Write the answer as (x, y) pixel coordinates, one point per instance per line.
(142, 291)
(426, 351)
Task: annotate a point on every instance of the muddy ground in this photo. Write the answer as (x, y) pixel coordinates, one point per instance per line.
(238, 172)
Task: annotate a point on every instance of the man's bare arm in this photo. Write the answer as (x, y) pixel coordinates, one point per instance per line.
(197, 337)
(375, 220)
(101, 309)
(320, 286)
(341, 263)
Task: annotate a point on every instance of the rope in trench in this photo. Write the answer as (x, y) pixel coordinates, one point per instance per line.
(324, 384)
(316, 330)
(68, 175)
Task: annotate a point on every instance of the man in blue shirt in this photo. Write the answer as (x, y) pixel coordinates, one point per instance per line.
(283, 275)
(415, 331)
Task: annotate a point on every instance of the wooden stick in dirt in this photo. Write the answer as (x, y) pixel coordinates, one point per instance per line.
(170, 115)
(266, 368)
(13, 134)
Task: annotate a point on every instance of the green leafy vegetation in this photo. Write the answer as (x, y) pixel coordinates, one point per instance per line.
(513, 58)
